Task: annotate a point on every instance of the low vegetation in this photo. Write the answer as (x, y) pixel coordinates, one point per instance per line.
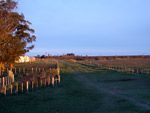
(85, 88)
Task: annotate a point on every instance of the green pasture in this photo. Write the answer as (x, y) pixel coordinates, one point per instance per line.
(84, 89)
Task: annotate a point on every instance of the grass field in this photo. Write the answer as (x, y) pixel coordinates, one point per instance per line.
(85, 89)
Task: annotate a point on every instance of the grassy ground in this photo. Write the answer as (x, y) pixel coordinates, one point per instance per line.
(85, 89)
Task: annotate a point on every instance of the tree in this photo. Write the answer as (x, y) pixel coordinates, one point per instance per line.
(8, 20)
(16, 35)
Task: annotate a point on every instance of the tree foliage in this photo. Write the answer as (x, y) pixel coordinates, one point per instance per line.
(15, 33)
(8, 20)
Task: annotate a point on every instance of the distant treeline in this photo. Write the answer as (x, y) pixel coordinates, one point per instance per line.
(72, 56)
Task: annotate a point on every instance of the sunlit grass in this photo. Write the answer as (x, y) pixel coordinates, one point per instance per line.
(76, 95)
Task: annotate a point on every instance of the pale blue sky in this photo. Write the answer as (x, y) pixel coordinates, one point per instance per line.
(89, 27)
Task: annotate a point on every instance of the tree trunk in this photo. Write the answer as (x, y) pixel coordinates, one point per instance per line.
(1, 67)
(10, 66)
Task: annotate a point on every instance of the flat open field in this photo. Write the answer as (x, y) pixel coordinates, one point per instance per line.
(85, 89)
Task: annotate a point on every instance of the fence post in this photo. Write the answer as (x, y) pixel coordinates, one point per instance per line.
(11, 89)
(132, 71)
(16, 88)
(53, 81)
(41, 82)
(5, 90)
(22, 87)
(27, 86)
(9, 80)
(0, 81)
(59, 80)
(32, 70)
(3, 81)
(48, 80)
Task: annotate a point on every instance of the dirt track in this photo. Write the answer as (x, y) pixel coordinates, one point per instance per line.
(101, 88)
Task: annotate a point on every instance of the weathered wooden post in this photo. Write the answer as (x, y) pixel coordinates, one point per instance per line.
(0, 81)
(32, 70)
(59, 80)
(27, 87)
(5, 90)
(133, 71)
(43, 69)
(36, 69)
(39, 69)
(11, 89)
(22, 87)
(48, 81)
(3, 81)
(16, 88)
(9, 82)
(53, 81)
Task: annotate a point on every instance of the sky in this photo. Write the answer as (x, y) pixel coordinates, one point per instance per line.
(89, 27)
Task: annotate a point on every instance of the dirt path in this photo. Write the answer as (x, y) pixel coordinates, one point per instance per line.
(104, 89)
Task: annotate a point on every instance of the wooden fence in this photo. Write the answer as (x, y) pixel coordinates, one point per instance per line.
(5, 81)
(8, 88)
(24, 70)
(121, 69)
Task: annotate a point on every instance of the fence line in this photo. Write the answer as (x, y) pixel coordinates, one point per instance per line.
(24, 70)
(7, 86)
(26, 86)
(5, 81)
(121, 69)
